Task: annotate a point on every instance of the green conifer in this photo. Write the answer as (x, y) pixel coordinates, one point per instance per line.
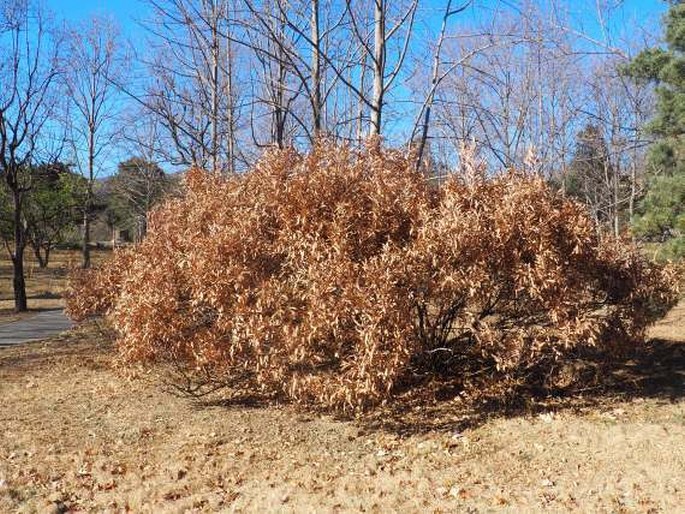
(661, 213)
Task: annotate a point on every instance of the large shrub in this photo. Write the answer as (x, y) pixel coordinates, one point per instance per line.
(331, 278)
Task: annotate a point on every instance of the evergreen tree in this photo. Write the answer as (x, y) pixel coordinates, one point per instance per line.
(136, 188)
(661, 213)
(51, 209)
(591, 177)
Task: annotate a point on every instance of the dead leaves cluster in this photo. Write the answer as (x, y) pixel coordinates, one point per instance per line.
(332, 277)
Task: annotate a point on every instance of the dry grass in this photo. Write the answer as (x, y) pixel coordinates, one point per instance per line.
(672, 327)
(77, 436)
(44, 287)
(9, 316)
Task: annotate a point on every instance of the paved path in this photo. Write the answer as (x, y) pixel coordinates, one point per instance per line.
(41, 326)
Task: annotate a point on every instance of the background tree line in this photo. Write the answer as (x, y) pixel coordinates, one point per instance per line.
(212, 83)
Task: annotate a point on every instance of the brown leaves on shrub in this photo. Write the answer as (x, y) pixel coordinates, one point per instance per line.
(332, 277)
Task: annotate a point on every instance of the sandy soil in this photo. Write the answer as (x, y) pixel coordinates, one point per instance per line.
(77, 436)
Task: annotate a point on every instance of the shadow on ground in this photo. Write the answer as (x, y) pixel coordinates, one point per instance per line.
(656, 371)
(45, 295)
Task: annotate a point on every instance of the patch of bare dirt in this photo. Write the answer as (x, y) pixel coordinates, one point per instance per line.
(77, 436)
(44, 286)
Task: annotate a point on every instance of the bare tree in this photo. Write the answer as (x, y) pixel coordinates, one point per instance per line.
(275, 51)
(287, 39)
(437, 76)
(317, 104)
(517, 87)
(342, 54)
(619, 108)
(384, 35)
(91, 69)
(192, 90)
(28, 72)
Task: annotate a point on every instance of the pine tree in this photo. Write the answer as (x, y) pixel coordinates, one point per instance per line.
(591, 176)
(661, 213)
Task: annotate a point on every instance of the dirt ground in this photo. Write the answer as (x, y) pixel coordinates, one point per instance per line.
(44, 287)
(78, 437)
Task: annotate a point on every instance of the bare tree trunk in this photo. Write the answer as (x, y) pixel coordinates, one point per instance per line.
(215, 90)
(88, 207)
(424, 134)
(229, 94)
(633, 187)
(42, 261)
(85, 246)
(435, 78)
(362, 76)
(316, 70)
(378, 67)
(89, 198)
(280, 109)
(616, 202)
(141, 228)
(18, 281)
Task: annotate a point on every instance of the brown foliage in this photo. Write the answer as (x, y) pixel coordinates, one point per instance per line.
(331, 278)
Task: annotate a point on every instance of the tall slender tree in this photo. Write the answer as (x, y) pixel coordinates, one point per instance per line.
(28, 74)
(192, 86)
(91, 69)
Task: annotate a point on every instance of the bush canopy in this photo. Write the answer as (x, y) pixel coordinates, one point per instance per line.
(333, 278)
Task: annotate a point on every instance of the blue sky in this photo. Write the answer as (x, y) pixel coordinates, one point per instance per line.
(124, 10)
(644, 14)
(127, 11)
